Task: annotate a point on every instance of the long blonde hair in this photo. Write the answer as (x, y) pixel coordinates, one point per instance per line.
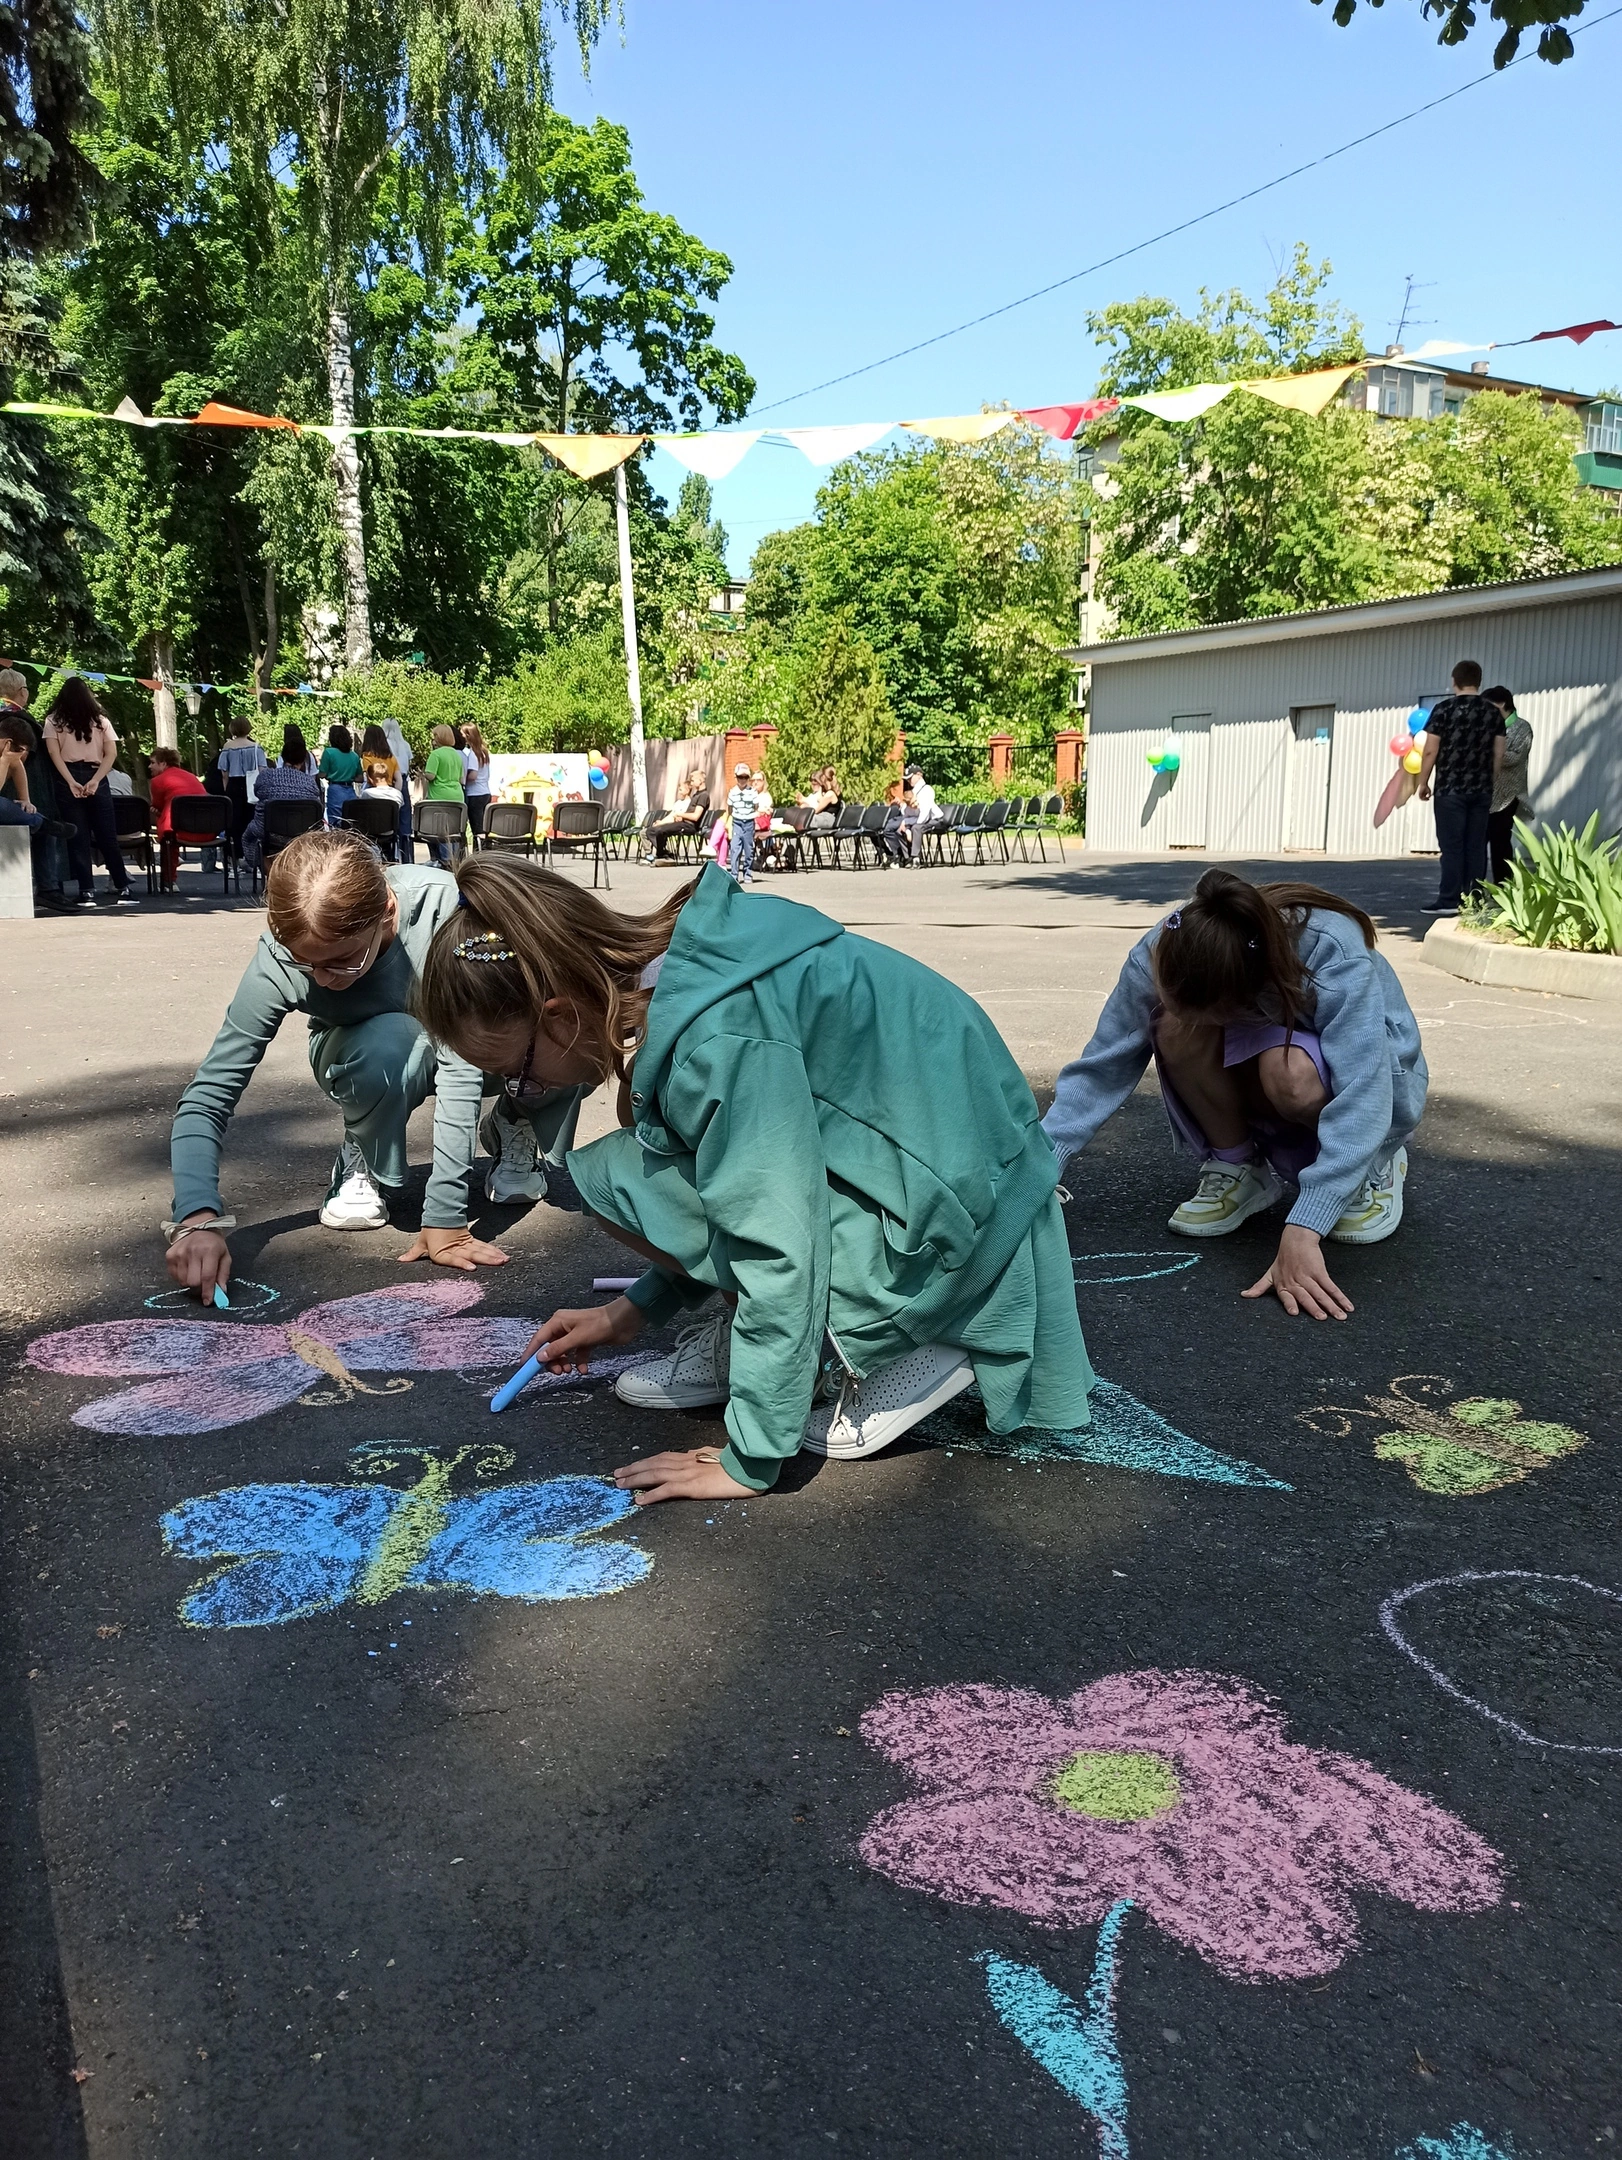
(325, 885)
(523, 935)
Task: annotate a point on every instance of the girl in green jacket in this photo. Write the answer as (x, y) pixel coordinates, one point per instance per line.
(823, 1131)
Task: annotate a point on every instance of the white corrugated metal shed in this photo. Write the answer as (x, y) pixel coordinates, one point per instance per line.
(1283, 723)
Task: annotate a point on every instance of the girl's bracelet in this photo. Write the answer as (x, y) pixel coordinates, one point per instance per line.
(174, 1232)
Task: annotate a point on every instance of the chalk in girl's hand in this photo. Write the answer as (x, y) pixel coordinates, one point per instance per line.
(612, 1282)
(510, 1390)
(222, 1302)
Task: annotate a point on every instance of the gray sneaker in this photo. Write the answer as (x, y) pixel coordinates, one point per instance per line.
(516, 1173)
(697, 1373)
(869, 1414)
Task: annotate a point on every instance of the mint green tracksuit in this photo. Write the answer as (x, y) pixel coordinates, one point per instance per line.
(839, 1136)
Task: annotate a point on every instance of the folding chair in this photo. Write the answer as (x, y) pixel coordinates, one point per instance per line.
(1052, 811)
(204, 822)
(578, 826)
(509, 827)
(871, 831)
(1021, 820)
(796, 817)
(377, 819)
(992, 826)
(132, 818)
(285, 821)
(967, 826)
(847, 830)
(441, 824)
(941, 835)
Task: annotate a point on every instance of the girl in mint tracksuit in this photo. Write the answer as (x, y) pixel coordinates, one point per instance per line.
(824, 1131)
(1286, 1053)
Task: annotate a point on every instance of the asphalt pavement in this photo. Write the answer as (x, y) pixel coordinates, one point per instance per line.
(343, 1818)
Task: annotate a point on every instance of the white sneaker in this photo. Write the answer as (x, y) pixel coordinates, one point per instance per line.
(871, 1413)
(697, 1372)
(354, 1201)
(1377, 1210)
(1227, 1194)
(516, 1173)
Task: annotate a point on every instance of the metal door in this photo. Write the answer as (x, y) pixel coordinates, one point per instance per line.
(1191, 784)
(1306, 823)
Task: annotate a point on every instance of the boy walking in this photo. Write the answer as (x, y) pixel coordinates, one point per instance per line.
(743, 807)
(1464, 749)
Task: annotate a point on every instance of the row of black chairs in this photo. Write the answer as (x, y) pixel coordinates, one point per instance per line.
(995, 829)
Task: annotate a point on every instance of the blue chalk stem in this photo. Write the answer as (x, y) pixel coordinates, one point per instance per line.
(1079, 2050)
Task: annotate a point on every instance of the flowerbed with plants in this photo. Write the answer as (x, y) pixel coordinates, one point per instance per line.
(1563, 892)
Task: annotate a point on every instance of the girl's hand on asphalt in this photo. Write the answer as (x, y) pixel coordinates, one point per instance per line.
(199, 1262)
(454, 1248)
(1303, 1282)
(570, 1337)
(692, 1474)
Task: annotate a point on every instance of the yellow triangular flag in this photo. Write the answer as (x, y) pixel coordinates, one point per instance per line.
(588, 455)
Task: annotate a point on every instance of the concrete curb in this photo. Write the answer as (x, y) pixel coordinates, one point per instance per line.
(1523, 967)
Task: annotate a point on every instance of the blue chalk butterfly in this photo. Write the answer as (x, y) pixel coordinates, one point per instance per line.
(302, 1549)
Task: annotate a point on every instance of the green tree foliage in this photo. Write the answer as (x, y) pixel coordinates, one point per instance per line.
(956, 566)
(572, 697)
(44, 600)
(331, 91)
(47, 182)
(1254, 510)
(1458, 19)
(836, 713)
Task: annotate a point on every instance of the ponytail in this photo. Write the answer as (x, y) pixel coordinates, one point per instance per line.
(1235, 946)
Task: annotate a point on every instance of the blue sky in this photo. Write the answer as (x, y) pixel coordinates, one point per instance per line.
(879, 172)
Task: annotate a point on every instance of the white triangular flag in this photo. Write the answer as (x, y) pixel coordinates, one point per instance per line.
(713, 454)
(827, 445)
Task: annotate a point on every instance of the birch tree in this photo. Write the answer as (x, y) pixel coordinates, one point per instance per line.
(315, 96)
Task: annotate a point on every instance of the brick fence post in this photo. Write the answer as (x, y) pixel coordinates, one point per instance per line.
(1069, 748)
(1002, 757)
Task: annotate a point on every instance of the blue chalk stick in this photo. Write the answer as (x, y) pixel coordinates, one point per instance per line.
(513, 1388)
(222, 1302)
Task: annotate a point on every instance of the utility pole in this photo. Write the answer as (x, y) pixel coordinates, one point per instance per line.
(633, 671)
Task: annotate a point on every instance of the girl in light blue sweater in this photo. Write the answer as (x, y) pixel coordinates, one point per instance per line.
(1286, 1052)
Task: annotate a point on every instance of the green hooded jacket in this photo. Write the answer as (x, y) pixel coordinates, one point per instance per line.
(848, 1133)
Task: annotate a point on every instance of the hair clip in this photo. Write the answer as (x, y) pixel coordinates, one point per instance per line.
(462, 900)
(486, 945)
(1174, 921)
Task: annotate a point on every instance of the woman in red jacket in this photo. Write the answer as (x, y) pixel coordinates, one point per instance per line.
(169, 779)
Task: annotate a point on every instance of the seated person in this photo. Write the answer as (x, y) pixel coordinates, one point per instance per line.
(169, 779)
(687, 814)
(25, 785)
(283, 783)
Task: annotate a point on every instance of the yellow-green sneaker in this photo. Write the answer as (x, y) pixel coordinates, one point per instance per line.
(1228, 1193)
(1377, 1208)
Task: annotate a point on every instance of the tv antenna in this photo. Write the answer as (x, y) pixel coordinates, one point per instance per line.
(1404, 322)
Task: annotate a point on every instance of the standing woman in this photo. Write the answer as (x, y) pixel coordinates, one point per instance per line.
(822, 1130)
(295, 750)
(80, 743)
(343, 944)
(340, 769)
(476, 781)
(1511, 795)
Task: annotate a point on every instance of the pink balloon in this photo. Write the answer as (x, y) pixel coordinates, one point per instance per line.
(1400, 745)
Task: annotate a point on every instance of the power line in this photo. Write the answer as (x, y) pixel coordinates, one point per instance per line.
(1171, 231)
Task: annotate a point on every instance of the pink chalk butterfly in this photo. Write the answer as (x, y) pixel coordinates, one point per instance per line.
(221, 1372)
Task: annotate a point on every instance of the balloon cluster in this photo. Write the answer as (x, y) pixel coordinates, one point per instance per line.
(1167, 758)
(1410, 744)
(597, 769)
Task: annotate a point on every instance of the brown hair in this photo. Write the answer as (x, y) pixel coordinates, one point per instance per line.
(1234, 946)
(1467, 675)
(548, 938)
(163, 756)
(327, 884)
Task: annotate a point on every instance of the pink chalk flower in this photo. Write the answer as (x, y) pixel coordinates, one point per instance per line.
(1177, 1790)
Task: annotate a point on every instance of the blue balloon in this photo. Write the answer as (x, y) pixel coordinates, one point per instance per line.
(1416, 720)
(598, 777)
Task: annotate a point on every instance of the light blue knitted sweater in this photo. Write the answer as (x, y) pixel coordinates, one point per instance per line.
(1370, 1044)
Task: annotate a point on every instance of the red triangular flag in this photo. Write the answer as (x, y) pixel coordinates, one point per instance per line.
(1063, 420)
(1577, 332)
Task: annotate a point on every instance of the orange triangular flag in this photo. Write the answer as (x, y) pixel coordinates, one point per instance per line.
(213, 415)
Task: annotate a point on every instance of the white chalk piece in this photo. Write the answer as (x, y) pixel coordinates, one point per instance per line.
(613, 1282)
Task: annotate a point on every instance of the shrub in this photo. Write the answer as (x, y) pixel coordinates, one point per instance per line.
(1566, 890)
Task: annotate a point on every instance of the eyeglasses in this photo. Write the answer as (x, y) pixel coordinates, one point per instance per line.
(346, 974)
(516, 1090)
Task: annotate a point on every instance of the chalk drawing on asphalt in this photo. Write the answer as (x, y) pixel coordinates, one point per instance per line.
(295, 1550)
(1398, 1599)
(1462, 2142)
(215, 1373)
(178, 1300)
(1125, 1434)
(1462, 1448)
(1126, 1267)
(1178, 1793)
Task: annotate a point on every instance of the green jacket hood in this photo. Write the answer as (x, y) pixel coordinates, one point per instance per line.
(724, 940)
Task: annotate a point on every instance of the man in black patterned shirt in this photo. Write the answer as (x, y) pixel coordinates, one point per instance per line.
(1464, 747)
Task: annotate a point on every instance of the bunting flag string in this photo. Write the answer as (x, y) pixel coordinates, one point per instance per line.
(47, 668)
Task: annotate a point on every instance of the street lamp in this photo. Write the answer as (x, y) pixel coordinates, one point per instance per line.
(194, 705)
